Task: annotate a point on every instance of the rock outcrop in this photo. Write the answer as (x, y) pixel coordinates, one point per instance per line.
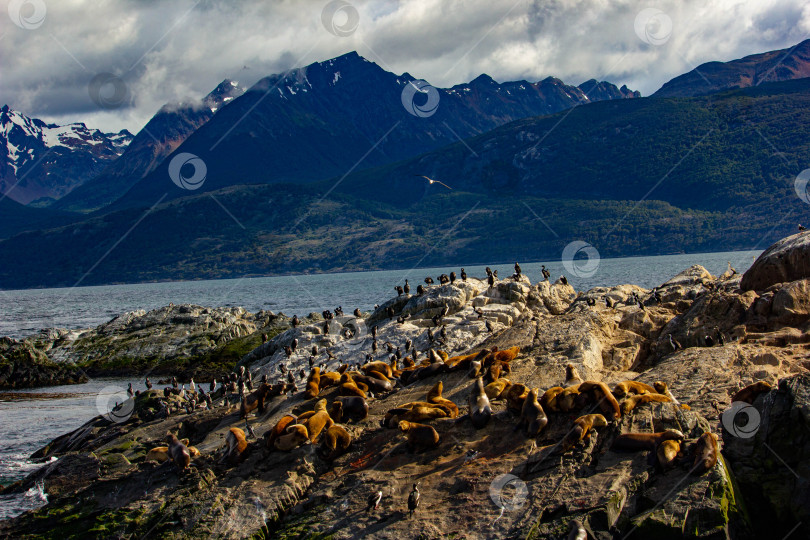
(24, 366)
(786, 260)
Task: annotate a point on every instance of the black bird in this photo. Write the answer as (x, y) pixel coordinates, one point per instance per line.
(436, 319)
(517, 269)
(488, 270)
(326, 327)
(495, 273)
(347, 332)
(314, 350)
(374, 345)
(148, 384)
(546, 273)
(213, 385)
(130, 391)
(407, 287)
(249, 382)
(420, 290)
(294, 344)
(491, 280)
(443, 332)
(463, 275)
(290, 378)
(389, 347)
(358, 313)
(339, 311)
(413, 500)
(444, 279)
(801, 227)
(282, 368)
(488, 325)
(295, 321)
(311, 361)
(398, 354)
(564, 280)
(288, 351)
(452, 277)
(390, 312)
(709, 341)
(374, 501)
(402, 318)
(374, 331)
(428, 280)
(408, 344)
(399, 290)
(302, 374)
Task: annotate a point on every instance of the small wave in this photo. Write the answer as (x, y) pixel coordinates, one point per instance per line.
(14, 505)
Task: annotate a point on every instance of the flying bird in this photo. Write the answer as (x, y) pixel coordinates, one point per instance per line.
(432, 181)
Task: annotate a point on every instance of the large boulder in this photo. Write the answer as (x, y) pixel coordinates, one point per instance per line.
(786, 260)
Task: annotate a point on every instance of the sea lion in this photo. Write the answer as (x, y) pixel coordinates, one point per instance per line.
(335, 441)
(254, 400)
(706, 452)
(480, 409)
(336, 411)
(178, 452)
(507, 355)
(158, 454)
(235, 445)
(313, 383)
(420, 436)
(349, 388)
(532, 416)
(475, 369)
(604, 398)
(565, 401)
(662, 388)
(633, 401)
(496, 389)
(279, 429)
(434, 396)
(460, 362)
(582, 430)
(667, 453)
(373, 382)
(328, 378)
(515, 395)
(414, 414)
(318, 421)
(495, 369)
(354, 407)
(632, 387)
(572, 375)
(548, 401)
(645, 441)
(380, 367)
(750, 392)
(294, 436)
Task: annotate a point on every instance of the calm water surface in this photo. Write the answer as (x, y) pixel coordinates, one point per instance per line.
(31, 418)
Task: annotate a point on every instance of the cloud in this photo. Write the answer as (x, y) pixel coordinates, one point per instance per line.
(171, 50)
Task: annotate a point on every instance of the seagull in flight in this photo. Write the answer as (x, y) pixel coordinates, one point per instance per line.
(432, 181)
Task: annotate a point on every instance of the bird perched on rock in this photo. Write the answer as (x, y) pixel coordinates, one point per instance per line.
(358, 313)
(295, 321)
(430, 335)
(288, 351)
(491, 280)
(413, 500)
(428, 280)
(452, 277)
(420, 290)
(488, 270)
(463, 275)
(443, 332)
(407, 287)
(546, 273)
(148, 384)
(801, 228)
(488, 325)
(294, 344)
(339, 311)
(390, 312)
(408, 344)
(517, 269)
(399, 290)
(564, 280)
(130, 391)
(402, 318)
(374, 501)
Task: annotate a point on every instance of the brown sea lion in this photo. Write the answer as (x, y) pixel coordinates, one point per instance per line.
(507, 355)
(706, 452)
(645, 441)
(336, 411)
(354, 407)
(178, 452)
(414, 414)
(380, 367)
(480, 409)
(566, 401)
(603, 397)
(420, 436)
(349, 388)
(582, 430)
(319, 421)
(633, 401)
(632, 387)
(335, 441)
(495, 390)
(435, 396)
(294, 436)
(329, 378)
(515, 395)
(548, 401)
(750, 392)
(254, 400)
(532, 416)
(158, 454)
(313, 383)
(572, 375)
(235, 445)
(376, 382)
(667, 453)
(279, 429)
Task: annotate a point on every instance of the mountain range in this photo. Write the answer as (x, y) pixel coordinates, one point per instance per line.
(316, 170)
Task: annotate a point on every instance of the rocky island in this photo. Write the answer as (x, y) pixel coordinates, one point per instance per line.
(471, 408)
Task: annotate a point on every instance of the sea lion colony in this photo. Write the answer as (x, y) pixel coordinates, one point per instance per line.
(316, 388)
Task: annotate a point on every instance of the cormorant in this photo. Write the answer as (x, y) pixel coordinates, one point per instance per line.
(407, 287)
(374, 501)
(517, 269)
(463, 275)
(428, 280)
(358, 313)
(413, 500)
(295, 321)
(452, 277)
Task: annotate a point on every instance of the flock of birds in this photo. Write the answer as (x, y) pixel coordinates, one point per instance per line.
(358, 383)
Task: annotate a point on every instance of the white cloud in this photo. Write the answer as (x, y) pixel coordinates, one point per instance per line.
(167, 50)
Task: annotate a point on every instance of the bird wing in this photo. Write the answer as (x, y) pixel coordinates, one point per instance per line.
(432, 180)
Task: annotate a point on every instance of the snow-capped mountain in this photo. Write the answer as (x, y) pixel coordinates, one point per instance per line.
(46, 161)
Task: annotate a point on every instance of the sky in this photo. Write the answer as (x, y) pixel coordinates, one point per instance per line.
(113, 63)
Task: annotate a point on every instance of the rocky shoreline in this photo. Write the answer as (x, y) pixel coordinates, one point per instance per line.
(721, 345)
